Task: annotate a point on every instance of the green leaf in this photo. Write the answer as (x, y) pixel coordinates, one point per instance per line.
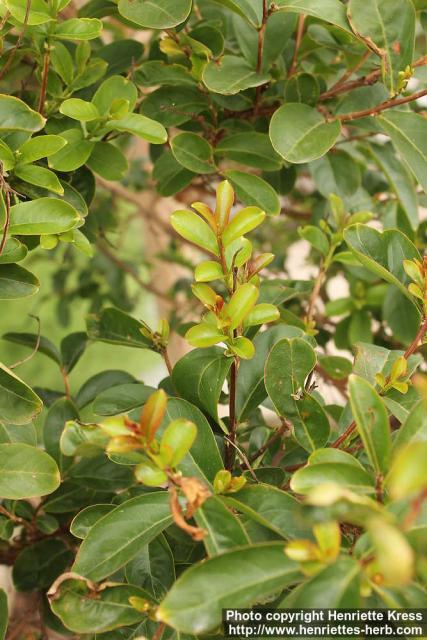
(204, 459)
(388, 29)
(101, 474)
(191, 227)
(78, 29)
(224, 530)
(140, 126)
(400, 180)
(251, 11)
(253, 190)
(336, 367)
(408, 133)
(174, 108)
(72, 348)
(121, 399)
(101, 382)
(43, 216)
(77, 608)
(15, 115)
(162, 14)
(193, 152)
(110, 90)
(7, 156)
(59, 413)
(199, 377)
(14, 251)
(116, 327)
(80, 110)
(74, 154)
(40, 147)
(309, 137)
(316, 237)
(30, 340)
(251, 390)
(86, 519)
(372, 422)
(252, 149)
(195, 602)
(108, 161)
(335, 586)
(302, 87)
(244, 221)
(331, 11)
(271, 508)
(325, 472)
(382, 253)
(17, 282)
(4, 614)
(18, 403)
(311, 425)
(26, 472)
(170, 176)
(408, 472)
(414, 429)
(39, 13)
(230, 75)
(121, 534)
(153, 569)
(336, 173)
(40, 177)
(287, 367)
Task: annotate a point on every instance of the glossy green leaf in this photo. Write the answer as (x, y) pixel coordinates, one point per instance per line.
(121, 398)
(39, 13)
(30, 340)
(43, 217)
(14, 251)
(121, 534)
(408, 133)
(199, 377)
(223, 529)
(230, 75)
(140, 126)
(78, 29)
(101, 382)
(335, 586)
(307, 138)
(162, 14)
(116, 327)
(18, 403)
(372, 422)
(40, 147)
(191, 227)
(177, 440)
(40, 177)
(74, 154)
(15, 115)
(39, 564)
(194, 603)
(328, 10)
(414, 429)
(349, 476)
(170, 176)
(408, 471)
(387, 28)
(288, 365)
(400, 180)
(244, 221)
(78, 109)
(26, 472)
(253, 190)
(251, 11)
(86, 519)
(251, 149)
(271, 508)
(336, 173)
(108, 161)
(153, 569)
(193, 152)
(17, 282)
(74, 603)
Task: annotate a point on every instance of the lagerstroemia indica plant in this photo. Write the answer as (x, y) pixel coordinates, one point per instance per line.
(281, 461)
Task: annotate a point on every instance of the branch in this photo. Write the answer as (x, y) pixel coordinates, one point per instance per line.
(298, 40)
(389, 104)
(286, 426)
(45, 74)
(12, 54)
(102, 246)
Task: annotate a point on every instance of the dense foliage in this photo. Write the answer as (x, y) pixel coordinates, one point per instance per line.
(282, 461)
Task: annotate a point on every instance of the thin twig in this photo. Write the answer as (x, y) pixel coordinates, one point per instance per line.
(286, 426)
(7, 214)
(45, 74)
(389, 104)
(298, 40)
(36, 346)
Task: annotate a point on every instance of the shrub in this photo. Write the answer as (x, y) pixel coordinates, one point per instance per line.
(282, 460)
